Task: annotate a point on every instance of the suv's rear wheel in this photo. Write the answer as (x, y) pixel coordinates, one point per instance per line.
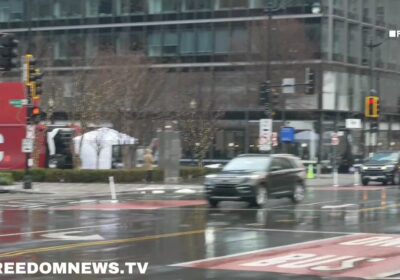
(364, 181)
(396, 178)
(261, 197)
(299, 193)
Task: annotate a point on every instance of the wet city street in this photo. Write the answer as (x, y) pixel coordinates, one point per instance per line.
(344, 232)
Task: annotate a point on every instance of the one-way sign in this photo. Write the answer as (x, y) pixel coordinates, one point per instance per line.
(27, 145)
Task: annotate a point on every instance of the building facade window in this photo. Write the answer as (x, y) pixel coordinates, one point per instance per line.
(367, 8)
(188, 42)
(130, 7)
(42, 9)
(257, 4)
(69, 46)
(68, 9)
(11, 10)
(170, 44)
(233, 4)
(204, 41)
(169, 6)
(193, 5)
(99, 8)
(155, 6)
(240, 39)
(380, 12)
(366, 38)
(154, 44)
(380, 50)
(338, 7)
(338, 41)
(222, 40)
(91, 44)
(353, 43)
(354, 9)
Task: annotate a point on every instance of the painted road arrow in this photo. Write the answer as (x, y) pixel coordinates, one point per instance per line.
(69, 235)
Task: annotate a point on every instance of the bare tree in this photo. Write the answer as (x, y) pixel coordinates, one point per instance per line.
(197, 115)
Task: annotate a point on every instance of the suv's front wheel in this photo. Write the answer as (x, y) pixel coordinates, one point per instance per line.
(260, 198)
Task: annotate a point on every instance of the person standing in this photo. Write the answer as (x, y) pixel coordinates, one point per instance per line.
(148, 165)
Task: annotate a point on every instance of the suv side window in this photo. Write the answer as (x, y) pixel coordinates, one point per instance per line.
(280, 164)
(286, 163)
(276, 164)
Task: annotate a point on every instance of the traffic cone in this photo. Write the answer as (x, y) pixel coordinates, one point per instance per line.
(310, 172)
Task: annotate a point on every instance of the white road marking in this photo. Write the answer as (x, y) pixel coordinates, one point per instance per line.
(339, 206)
(295, 230)
(68, 235)
(386, 276)
(257, 251)
(301, 205)
(54, 230)
(185, 191)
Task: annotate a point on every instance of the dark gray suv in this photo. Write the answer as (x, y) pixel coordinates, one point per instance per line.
(255, 178)
(382, 167)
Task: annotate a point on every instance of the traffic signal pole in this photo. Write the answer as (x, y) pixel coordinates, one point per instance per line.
(26, 61)
(31, 78)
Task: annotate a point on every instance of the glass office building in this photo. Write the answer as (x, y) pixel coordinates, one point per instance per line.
(225, 44)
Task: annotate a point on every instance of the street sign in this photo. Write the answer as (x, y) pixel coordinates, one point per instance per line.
(288, 85)
(265, 134)
(27, 145)
(288, 134)
(353, 124)
(18, 103)
(30, 132)
(335, 139)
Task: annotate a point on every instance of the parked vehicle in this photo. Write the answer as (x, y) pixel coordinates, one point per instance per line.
(382, 167)
(256, 177)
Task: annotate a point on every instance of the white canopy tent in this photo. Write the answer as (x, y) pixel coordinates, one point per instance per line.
(96, 147)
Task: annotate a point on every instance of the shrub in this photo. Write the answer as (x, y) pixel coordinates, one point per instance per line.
(101, 176)
(6, 179)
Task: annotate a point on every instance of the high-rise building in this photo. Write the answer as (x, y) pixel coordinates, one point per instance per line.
(232, 46)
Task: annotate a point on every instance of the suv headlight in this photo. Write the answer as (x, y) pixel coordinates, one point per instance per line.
(363, 167)
(250, 178)
(388, 167)
(209, 179)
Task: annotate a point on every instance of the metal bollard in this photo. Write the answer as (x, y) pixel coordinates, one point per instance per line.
(112, 189)
(356, 177)
(335, 178)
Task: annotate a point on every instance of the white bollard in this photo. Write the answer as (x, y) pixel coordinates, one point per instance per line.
(356, 177)
(335, 178)
(112, 189)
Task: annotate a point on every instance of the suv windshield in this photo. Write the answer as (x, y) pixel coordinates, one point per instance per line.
(248, 164)
(384, 157)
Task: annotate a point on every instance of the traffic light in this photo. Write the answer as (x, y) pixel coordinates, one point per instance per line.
(265, 89)
(372, 106)
(29, 69)
(310, 81)
(35, 114)
(8, 51)
(36, 84)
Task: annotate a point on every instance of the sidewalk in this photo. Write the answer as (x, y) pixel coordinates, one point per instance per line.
(85, 189)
